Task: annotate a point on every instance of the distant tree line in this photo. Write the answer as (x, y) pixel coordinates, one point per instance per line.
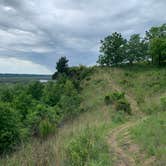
(116, 50)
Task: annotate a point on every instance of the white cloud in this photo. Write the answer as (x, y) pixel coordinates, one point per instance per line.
(41, 31)
(13, 65)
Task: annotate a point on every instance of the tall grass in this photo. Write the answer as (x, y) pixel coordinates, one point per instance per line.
(151, 135)
(145, 84)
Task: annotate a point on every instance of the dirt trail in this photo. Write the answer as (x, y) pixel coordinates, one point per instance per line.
(123, 158)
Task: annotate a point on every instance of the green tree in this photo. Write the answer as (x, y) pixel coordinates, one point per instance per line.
(6, 95)
(136, 49)
(62, 65)
(154, 32)
(23, 103)
(35, 89)
(112, 50)
(9, 128)
(156, 37)
(158, 50)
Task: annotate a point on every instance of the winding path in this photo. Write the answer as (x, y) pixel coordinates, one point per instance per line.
(123, 158)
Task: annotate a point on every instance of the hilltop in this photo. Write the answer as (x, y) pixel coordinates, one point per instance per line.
(122, 122)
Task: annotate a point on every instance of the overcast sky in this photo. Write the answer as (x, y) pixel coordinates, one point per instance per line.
(35, 33)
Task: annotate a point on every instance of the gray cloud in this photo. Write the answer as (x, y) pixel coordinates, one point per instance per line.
(42, 31)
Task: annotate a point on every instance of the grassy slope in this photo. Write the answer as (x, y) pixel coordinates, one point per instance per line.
(143, 84)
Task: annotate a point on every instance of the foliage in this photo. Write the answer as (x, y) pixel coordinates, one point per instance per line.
(35, 109)
(117, 50)
(151, 134)
(6, 95)
(107, 99)
(45, 128)
(118, 99)
(158, 50)
(163, 103)
(123, 105)
(156, 32)
(136, 49)
(156, 37)
(79, 73)
(10, 134)
(35, 89)
(119, 117)
(61, 67)
(112, 49)
(86, 149)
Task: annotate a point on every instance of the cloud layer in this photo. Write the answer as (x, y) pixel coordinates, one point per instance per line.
(39, 31)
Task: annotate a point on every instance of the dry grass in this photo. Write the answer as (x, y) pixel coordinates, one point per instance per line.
(134, 81)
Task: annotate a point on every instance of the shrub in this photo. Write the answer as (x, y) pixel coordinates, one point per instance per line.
(86, 149)
(107, 99)
(35, 89)
(6, 95)
(119, 117)
(117, 96)
(113, 97)
(45, 128)
(163, 103)
(123, 105)
(35, 116)
(118, 99)
(151, 135)
(10, 134)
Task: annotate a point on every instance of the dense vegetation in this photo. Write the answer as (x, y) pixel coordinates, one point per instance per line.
(145, 84)
(37, 109)
(107, 98)
(117, 50)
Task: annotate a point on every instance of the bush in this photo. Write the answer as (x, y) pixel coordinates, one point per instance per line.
(45, 128)
(117, 96)
(35, 89)
(86, 149)
(6, 95)
(163, 103)
(119, 117)
(151, 135)
(123, 105)
(119, 100)
(107, 99)
(10, 134)
(35, 117)
(37, 110)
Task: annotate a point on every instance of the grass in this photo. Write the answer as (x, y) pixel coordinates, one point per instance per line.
(151, 135)
(88, 148)
(144, 84)
(53, 150)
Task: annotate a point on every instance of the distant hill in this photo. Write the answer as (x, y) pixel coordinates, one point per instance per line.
(14, 78)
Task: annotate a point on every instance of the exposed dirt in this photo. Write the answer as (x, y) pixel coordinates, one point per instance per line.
(123, 156)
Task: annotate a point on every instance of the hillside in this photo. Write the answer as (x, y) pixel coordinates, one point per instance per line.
(123, 123)
(17, 78)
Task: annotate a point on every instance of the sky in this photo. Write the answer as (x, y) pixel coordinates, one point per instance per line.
(34, 34)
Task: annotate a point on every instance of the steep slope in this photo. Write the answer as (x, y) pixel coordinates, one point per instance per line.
(143, 87)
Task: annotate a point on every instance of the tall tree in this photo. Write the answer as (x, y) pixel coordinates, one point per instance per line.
(62, 65)
(112, 50)
(154, 32)
(158, 50)
(156, 37)
(136, 49)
